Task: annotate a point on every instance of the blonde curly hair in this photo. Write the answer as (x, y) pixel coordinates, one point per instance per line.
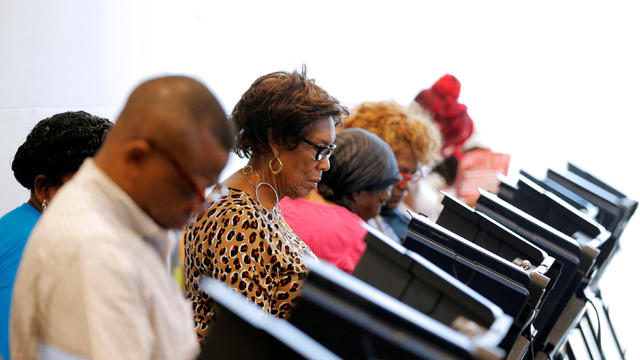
(398, 126)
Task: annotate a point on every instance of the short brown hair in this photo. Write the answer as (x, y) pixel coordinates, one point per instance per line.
(398, 126)
(283, 106)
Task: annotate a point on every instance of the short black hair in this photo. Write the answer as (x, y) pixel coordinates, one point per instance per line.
(58, 145)
(283, 106)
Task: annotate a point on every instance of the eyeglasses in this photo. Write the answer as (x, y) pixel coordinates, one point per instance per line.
(322, 151)
(179, 169)
(411, 177)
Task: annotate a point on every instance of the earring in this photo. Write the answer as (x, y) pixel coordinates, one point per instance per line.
(43, 206)
(275, 172)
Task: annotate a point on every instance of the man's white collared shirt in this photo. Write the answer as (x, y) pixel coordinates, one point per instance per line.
(94, 282)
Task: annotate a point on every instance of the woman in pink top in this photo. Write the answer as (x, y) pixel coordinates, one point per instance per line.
(362, 172)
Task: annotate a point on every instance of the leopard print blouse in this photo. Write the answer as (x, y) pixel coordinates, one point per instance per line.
(233, 242)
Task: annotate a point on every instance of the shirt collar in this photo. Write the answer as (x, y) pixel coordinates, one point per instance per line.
(124, 208)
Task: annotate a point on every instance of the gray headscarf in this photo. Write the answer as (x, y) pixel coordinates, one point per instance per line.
(361, 161)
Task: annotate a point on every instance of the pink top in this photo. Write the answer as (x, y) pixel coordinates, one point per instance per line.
(333, 233)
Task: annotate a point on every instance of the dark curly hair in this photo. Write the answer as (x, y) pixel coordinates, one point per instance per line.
(57, 146)
(283, 106)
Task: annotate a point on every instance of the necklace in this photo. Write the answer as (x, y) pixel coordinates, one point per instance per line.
(248, 170)
(38, 207)
(274, 216)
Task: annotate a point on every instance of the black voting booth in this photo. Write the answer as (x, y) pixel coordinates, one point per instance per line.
(628, 205)
(561, 310)
(555, 212)
(478, 228)
(616, 207)
(599, 202)
(522, 265)
(339, 316)
(613, 208)
(607, 341)
(244, 331)
(413, 280)
(357, 321)
(589, 195)
(608, 206)
(507, 285)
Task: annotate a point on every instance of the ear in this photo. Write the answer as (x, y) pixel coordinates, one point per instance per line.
(356, 195)
(136, 151)
(273, 145)
(353, 198)
(41, 188)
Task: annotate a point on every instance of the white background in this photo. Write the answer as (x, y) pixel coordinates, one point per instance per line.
(547, 82)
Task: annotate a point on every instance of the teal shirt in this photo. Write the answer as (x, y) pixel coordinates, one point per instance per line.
(15, 228)
(397, 221)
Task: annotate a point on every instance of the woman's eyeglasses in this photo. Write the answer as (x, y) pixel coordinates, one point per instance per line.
(322, 151)
(411, 177)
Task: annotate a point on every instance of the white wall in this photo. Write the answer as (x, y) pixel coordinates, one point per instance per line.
(546, 82)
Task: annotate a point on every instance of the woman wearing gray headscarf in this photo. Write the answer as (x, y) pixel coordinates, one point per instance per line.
(362, 172)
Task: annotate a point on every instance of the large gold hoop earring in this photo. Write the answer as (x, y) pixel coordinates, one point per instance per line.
(275, 172)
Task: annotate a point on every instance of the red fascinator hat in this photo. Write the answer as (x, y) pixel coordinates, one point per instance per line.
(441, 101)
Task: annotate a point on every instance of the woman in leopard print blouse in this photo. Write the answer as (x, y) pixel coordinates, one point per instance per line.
(286, 127)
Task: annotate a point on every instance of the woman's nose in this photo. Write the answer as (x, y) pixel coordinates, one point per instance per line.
(403, 185)
(386, 194)
(324, 164)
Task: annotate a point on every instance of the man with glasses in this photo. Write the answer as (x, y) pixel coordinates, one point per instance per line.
(94, 280)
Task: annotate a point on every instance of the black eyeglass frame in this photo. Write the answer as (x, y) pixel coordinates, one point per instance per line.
(322, 151)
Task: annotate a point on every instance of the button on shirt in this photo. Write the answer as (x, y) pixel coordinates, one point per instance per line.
(94, 282)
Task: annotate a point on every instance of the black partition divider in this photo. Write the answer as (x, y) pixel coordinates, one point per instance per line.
(410, 278)
(627, 206)
(489, 234)
(546, 206)
(243, 331)
(357, 321)
(594, 185)
(605, 209)
(610, 214)
(501, 282)
(632, 205)
(492, 236)
(576, 263)
(481, 270)
(597, 186)
(486, 232)
(594, 180)
(563, 193)
(583, 185)
(555, 212)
